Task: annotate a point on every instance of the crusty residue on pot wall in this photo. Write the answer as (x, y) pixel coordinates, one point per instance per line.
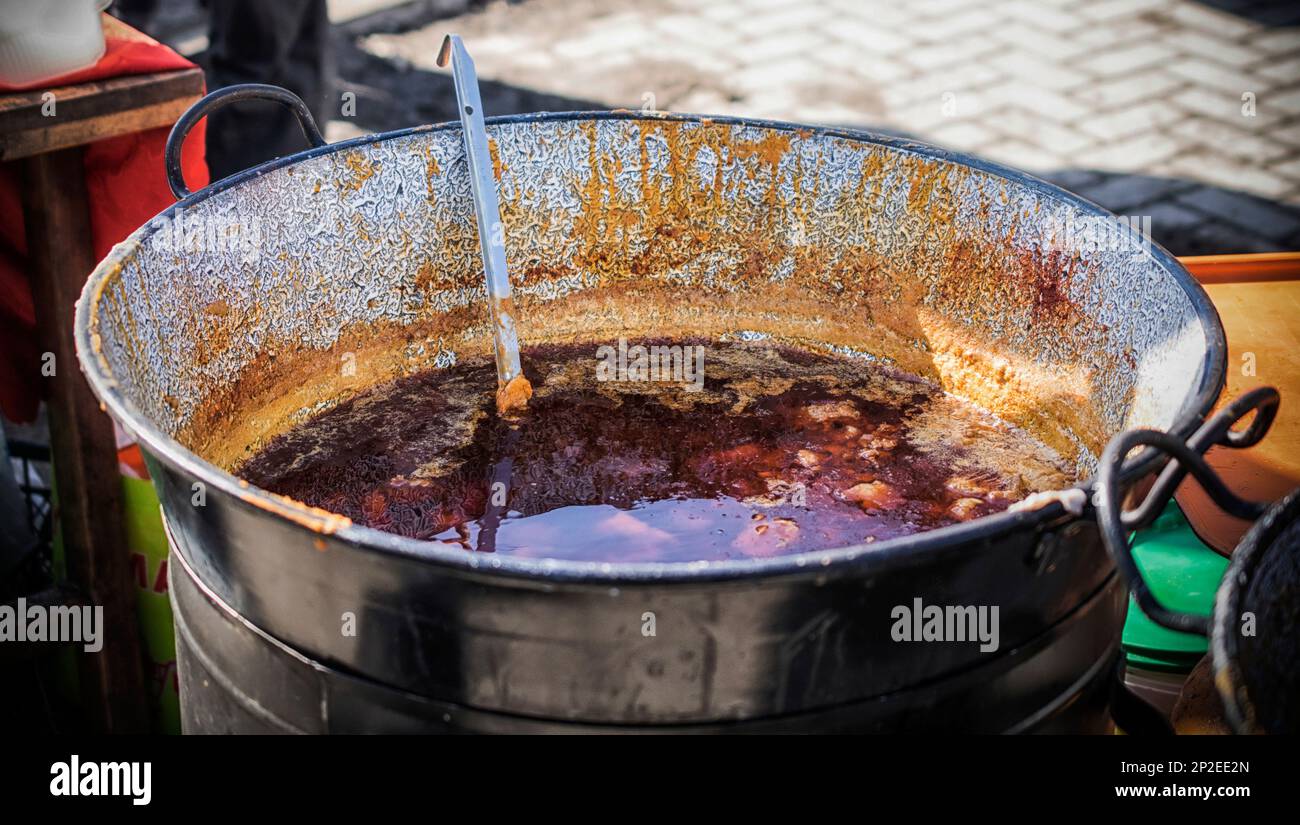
(642, 227)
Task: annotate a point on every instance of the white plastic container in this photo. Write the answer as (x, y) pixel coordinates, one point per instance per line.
(43, 39)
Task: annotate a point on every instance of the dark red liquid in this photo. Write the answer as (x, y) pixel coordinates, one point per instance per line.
(783, 451)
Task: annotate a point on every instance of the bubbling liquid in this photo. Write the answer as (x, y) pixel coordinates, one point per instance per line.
(779, 450)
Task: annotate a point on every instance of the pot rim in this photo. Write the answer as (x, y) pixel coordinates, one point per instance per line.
(1195, 406)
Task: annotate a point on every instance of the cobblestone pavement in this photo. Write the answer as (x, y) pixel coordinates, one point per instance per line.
(1185, 111)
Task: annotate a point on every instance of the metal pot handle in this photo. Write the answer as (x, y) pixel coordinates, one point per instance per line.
(221, 97)
(1115, 523)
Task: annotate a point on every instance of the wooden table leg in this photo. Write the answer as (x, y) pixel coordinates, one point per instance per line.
(89, 495)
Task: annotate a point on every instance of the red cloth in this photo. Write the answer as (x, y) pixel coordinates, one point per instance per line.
(125, 185)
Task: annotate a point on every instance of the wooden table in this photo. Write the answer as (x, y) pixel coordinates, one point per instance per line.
(1258, 300)
(60, 257)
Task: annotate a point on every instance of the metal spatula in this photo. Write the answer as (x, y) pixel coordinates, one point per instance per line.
(513, 389)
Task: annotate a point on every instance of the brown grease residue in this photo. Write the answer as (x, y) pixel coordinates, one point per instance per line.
(360, 168)
(498, 168)
(923, 307)
(512, 399)
(780, 451)
(432, 172)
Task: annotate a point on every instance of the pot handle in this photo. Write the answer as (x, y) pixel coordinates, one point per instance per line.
(1115, 523)
(221, 97)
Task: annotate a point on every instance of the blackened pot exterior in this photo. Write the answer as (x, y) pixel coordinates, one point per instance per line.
(1254, 640)
(236, 678)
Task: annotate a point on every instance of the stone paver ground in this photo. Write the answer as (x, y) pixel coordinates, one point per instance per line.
(1187, 111)
(1182, 110)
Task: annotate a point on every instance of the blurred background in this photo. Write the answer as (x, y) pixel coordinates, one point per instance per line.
(1186, 111)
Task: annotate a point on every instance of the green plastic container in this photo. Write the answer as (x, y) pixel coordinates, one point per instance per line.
(1183, 574)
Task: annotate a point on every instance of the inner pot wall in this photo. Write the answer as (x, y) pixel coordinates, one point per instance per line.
(228, 321)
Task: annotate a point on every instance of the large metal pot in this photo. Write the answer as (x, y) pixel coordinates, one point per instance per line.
(363, 266)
